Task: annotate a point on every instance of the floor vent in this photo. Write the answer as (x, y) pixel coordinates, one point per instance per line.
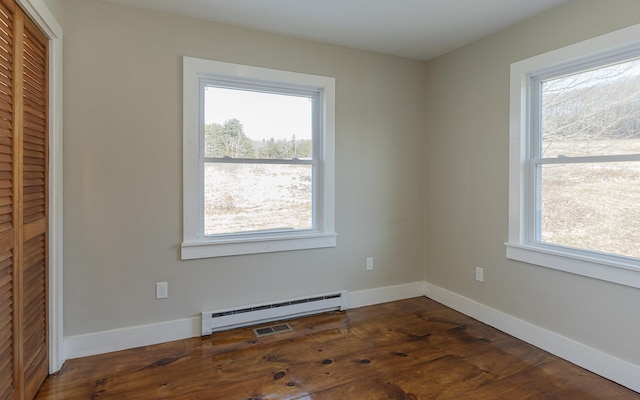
(229, 318)
(271, 330)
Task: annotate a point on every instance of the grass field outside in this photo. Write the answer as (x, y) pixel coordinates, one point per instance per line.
(257, 197)
(593, 206)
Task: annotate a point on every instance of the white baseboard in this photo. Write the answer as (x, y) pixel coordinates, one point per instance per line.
(608, 366)
(620, 371)
(127, 338)
(385, 294)
(144, 335)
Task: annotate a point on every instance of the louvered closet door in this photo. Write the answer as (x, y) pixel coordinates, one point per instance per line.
(8, 271)
(34, 260)
(23, 205)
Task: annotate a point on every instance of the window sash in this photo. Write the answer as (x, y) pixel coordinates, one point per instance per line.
(231, 160)
(584, 160)
(317, 97)
(532, 217)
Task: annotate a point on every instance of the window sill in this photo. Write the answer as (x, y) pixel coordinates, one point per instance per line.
(617, 270)
(233, 246)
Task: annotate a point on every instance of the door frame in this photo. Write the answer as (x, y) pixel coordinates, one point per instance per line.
(44, 19)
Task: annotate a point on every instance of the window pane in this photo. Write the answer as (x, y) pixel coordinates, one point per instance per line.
(592, 206)
(256, 197)
(248, 124)
(592, 113)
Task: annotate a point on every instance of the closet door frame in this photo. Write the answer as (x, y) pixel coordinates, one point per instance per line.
(46, 22)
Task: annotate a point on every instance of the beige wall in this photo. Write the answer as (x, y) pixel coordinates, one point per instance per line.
(123, 170)
(421, 177)
(466, 185)
(55, 6)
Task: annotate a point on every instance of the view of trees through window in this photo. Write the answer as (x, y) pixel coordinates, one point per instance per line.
(258, 171)
(589, 186)
(230, 140)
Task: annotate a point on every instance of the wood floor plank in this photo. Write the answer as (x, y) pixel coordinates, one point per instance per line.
(425, 381)
(556, 379)
(410, 349)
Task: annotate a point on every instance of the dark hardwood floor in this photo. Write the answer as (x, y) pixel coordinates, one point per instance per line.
(410, 349)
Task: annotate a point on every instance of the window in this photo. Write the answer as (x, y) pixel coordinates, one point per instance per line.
(258, 160)
(574, 179)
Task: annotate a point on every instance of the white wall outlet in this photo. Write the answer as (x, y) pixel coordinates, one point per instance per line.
(162, 290)
(480, 274)
(369, 263)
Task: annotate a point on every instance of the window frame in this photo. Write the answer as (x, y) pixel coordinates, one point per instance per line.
(197, 73)
(521, 244)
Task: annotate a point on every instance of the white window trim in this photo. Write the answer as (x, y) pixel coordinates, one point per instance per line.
(323, 235)
(519, 247)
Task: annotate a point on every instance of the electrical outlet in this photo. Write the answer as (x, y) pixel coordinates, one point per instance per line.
(369, 263)
(162, 290)
(480, 274)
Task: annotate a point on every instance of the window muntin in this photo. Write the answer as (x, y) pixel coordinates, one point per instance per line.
(309, 164)
(585, 145)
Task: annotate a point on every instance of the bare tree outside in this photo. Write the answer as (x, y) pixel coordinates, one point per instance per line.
(593, 205)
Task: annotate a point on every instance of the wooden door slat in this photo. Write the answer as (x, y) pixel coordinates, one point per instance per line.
(23, 204)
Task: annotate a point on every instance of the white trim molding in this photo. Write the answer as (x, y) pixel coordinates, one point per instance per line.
(369, 297)
(143, 335)
(40, 14)
(131, 337)
(522, 244)
(198, 74)
(610, 269)
(613, 368)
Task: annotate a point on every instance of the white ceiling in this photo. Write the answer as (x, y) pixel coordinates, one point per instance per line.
(419, 29)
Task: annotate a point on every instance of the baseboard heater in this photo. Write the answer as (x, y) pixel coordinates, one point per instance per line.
(229, 318)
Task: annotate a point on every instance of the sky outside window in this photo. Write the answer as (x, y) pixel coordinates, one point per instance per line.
(263, 115)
